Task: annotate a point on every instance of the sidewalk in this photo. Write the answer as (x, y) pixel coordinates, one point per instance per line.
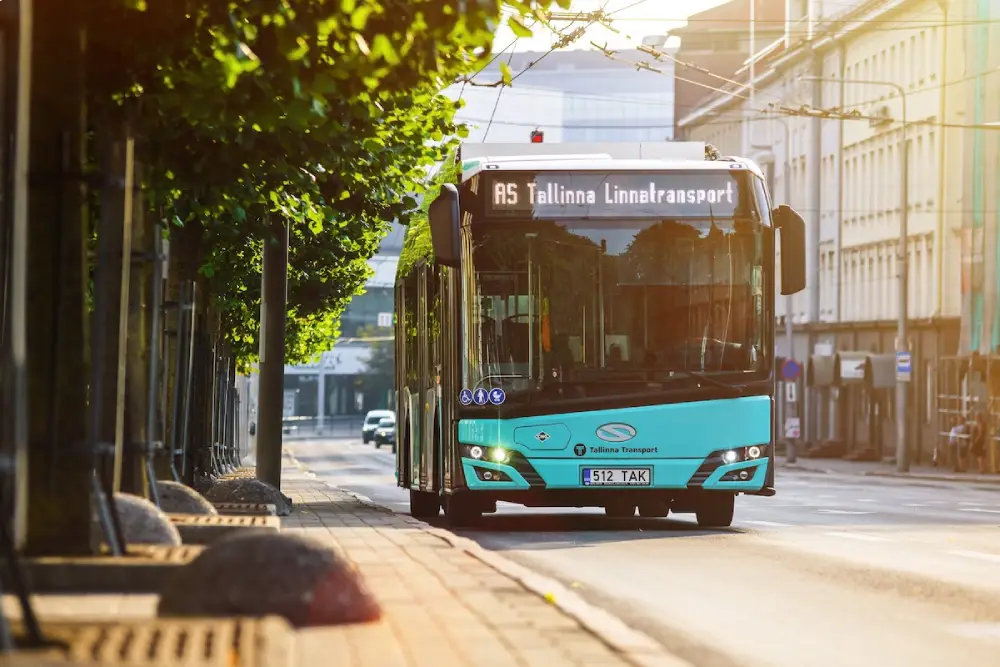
(447, 602)
(879, 469)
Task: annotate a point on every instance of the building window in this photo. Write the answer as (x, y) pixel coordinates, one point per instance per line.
(931, 395)
(870, 313)
(904, 69)
(924, 56)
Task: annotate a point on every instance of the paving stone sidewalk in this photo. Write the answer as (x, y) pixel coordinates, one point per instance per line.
(443, 605)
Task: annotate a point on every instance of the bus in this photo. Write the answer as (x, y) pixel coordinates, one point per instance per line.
(592, 325)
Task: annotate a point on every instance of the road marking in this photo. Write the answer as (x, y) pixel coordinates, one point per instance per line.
(769, 524)
(914, 505)
(978, 555)
(843, 512)
(859, 536)
(978, 509)
(866, 500)
(969, 502)
(977, 630)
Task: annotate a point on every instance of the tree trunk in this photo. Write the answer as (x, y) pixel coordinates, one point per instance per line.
(111, 296)
(60, 467)
(185, 257)
(274, 304)
(138, 436)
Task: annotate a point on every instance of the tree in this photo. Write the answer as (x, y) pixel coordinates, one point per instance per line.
(326, 113)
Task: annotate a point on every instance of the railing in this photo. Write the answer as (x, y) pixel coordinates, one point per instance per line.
(321, 427)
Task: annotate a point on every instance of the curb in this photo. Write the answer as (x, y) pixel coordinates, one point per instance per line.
(801, 468)
(936, 481)
(636, 647)
(931, 478)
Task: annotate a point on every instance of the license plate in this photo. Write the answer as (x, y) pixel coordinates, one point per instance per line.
(617, 476)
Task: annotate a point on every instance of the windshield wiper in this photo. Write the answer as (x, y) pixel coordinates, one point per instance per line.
(736, 390)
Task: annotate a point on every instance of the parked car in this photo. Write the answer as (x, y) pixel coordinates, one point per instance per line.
(385, 434)
(371, 423)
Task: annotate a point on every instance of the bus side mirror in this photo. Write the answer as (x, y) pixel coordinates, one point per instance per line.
(445, 219)
(793, 249)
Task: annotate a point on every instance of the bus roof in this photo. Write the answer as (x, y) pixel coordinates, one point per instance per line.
(618, 150)
(603, 164)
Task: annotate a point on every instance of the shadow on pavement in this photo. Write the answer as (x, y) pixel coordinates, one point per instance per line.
(347, 471)
(558, 531)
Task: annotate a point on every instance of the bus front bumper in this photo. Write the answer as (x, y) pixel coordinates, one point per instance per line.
(713, 473)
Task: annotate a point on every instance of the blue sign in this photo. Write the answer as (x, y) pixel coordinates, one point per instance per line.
(497, 396)
(465, 397)
(903, 362)
(904, 366)
(481, 396)
(790, 370)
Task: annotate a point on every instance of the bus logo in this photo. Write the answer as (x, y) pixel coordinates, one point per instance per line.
(615, 432)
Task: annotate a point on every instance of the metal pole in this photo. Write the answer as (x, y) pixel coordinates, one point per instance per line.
(153, 369)
(902, 345)
(902, 272)
(791, 455)
(18, 277)
(747, 139)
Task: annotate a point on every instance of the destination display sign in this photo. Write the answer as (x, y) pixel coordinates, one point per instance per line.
(548, 195)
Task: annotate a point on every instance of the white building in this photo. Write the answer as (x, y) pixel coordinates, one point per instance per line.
(844, 175)
(579, 95)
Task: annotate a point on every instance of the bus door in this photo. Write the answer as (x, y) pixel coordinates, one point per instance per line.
(418, 399)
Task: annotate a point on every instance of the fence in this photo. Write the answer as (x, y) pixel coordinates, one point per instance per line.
(321, 427)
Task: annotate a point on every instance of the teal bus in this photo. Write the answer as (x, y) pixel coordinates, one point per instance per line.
(592, 325)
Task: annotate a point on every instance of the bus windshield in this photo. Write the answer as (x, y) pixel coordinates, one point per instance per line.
(614, 306)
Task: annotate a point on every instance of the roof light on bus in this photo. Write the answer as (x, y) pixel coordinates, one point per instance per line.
(730, 456)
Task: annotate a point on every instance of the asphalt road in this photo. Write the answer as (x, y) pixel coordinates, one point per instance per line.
(834, 571)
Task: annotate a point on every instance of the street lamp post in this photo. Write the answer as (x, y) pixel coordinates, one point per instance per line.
(902, 272)
(790, 453)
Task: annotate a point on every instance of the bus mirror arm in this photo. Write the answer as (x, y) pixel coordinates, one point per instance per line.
(793, 249)
(445, 218)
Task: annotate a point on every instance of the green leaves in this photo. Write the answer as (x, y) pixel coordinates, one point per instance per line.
(505, 74)
(518, 28)
(326, 113)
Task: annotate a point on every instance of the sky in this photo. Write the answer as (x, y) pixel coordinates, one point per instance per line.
(633, 18)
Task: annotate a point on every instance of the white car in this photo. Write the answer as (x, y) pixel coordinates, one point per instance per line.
(385, 434)
(371, 423)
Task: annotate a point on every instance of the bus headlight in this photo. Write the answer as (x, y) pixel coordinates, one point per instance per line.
(730, 457)
(491, 454)
(753, 452)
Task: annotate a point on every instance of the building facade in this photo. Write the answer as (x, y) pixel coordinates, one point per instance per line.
(971, 382)
(355, 376)
(824, 116)
(571, 96)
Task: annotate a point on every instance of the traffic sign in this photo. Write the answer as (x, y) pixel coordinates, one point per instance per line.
(904, 366)
(465, 397)
(791, 370)
(497, 396)
(791, 395)
(480, 396)
(792, 430)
